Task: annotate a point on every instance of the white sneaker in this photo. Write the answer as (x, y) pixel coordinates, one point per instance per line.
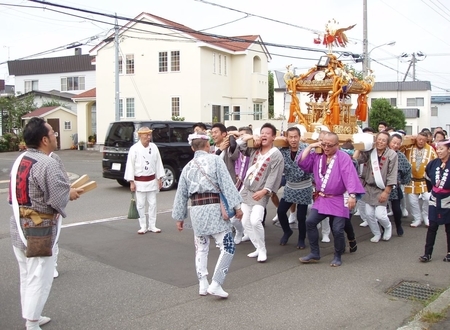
(405, 213)
(292, 218)
(416, 224)
(216, 290)
(44, 320)
(375, 239)
(325, 239)
(390, 213)
(363, 224)
(275, 219)
(32, 325)
(154, 230)
(426, 222)
(357, 212)
(238, 237)
(203, 286)
(387, 233)
(262, 255)
(55, 275)
(253, 254)
(245, 238)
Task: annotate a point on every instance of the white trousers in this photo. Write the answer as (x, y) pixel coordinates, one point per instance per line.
(252, 222)
(326, 230)
(361, 206)
(225, 243)
(36, 278)
(237, 224)
(143, 197)
(375, 215)
(414, 206)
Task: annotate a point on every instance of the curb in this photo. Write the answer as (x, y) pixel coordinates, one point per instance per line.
(439, 305)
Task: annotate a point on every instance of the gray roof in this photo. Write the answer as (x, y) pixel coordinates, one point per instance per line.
(279, 76)
(401, 86)
(75, 63)
(440, 99)
(53, 94)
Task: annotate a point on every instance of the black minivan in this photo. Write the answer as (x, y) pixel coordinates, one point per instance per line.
(170, 137)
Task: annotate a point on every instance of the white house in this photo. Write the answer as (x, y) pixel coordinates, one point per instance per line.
(440, 112)
(167, 69)
(412, 97)
(72, 74)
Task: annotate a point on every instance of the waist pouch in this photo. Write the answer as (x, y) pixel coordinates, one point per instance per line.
(39, 241)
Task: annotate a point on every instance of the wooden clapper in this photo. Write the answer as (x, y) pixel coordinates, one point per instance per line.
(84, 183)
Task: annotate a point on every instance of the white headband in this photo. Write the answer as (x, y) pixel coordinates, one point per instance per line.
(196, 135)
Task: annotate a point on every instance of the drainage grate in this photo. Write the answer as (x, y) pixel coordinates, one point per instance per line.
(412, 290)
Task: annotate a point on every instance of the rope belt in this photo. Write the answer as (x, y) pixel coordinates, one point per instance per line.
(145, 178)
(204, 199)
(36, 217)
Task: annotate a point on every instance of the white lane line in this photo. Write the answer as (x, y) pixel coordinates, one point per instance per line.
(92, 222)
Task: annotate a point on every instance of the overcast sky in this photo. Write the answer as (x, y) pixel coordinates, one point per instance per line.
(416, 26)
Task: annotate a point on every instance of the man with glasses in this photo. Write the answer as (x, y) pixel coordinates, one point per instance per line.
(39, 193)
(145, 171)
(334, 176)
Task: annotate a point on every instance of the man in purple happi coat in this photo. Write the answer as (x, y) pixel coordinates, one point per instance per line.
(337, 187)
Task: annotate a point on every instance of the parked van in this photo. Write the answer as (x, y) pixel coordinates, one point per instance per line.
(170, 137)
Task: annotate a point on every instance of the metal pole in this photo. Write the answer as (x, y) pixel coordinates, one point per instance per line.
(116, 69)
(413, 61)
(365, 41)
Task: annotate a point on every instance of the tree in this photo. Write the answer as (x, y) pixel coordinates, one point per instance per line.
(13, 109)
(271, 93)
(382, 110)
(355, 73)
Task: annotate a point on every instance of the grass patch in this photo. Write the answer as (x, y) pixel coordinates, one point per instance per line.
(433, 317)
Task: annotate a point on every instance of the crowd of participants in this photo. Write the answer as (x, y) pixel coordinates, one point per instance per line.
(324, 184)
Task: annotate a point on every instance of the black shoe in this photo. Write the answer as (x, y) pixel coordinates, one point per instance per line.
(447, 257)
(399, 231)
(353, 246)
(425, 258)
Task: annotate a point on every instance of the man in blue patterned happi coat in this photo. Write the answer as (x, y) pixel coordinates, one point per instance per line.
(201, 181)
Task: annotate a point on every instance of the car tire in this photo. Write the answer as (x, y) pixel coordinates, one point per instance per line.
(170, 178)
(123, 183)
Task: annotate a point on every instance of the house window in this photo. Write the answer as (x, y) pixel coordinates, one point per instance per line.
(68, 125)
(415, 102)
(130, 64)
(225, 65)
(72, 84)
(176, 106)
(237, 113)
(220, 64)
(214, 62)
(226, 113)
(163, 62)
(31, 85)
(175, 61)
(434, 111)
(392, 101)
(257, 111)
(121, 108)
(411, 113)
(130, 108)
(120, 65)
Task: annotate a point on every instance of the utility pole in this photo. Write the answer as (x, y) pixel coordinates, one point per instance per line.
(116, 69)
(365, 41)
(419, 56)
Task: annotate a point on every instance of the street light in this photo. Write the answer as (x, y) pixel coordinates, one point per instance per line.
(366, 59)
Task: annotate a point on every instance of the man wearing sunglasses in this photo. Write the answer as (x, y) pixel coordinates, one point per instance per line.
(334, 176)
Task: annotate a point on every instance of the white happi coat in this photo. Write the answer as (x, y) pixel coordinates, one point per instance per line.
(144, 161)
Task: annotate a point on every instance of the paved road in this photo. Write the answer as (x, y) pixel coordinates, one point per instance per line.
(112, 278)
